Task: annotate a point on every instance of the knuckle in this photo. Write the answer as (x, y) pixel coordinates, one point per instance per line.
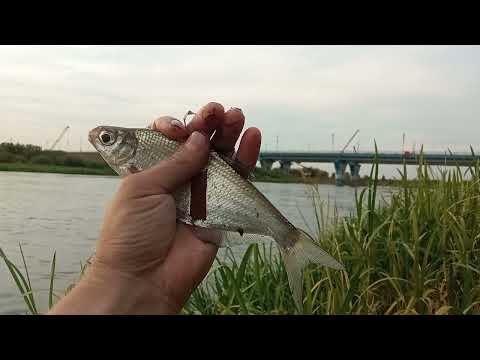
(183, 157)
(189, 158)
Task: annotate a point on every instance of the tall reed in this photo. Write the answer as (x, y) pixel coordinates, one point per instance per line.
(417, 253)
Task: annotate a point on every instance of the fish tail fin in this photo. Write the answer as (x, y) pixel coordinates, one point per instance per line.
(300, 255)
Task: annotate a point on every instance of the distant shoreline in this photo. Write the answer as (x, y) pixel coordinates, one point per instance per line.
(79, 170)
(55, 169)
(31, 158)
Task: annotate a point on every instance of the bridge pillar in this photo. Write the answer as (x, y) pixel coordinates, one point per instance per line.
(340, 167)
(266, 164)
(285, 166)
(355, 171)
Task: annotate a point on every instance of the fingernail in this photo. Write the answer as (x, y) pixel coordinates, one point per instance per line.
(237, 109)
(197, 139)
(177, 123)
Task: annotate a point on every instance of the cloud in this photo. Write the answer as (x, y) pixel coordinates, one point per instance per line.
(299, 93)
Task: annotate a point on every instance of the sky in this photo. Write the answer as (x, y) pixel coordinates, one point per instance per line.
(300, 95)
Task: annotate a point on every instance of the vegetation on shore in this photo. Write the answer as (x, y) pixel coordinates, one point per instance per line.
(418, 253)
(56, 169)
(31, 158)
(309, 175)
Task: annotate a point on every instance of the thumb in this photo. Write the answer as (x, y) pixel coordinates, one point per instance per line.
(185, 163)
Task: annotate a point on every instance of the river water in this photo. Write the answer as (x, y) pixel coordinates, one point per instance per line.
(63, 213)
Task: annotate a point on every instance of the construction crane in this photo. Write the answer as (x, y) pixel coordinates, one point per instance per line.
(349, 141)
(59, 137)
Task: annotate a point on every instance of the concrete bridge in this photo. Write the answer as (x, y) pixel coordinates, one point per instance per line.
(355, 159)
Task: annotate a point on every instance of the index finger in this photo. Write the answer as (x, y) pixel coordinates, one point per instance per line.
(207, 119)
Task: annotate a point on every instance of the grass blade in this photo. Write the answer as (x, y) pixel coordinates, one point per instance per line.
(52, 276)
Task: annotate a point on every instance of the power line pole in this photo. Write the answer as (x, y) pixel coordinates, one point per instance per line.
(277, 143)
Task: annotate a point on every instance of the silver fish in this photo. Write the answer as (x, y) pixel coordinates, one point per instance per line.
(234, 206)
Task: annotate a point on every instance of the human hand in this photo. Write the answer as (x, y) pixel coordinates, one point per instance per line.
(146, 262)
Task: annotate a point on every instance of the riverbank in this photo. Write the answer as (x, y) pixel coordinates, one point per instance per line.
(31, 158)
(258, 176)
(55, 169)
(59, 169)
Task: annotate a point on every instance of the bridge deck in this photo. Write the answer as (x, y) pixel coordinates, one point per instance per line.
(368, 158)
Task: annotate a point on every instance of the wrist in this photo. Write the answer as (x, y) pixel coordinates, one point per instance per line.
(103, 291)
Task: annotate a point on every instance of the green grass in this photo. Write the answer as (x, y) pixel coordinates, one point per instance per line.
(23, 282)
(28, 167)
(417, 253)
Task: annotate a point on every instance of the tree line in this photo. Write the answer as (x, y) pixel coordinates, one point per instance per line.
(33, 154)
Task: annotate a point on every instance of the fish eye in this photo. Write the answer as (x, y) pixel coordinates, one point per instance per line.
(107, 138)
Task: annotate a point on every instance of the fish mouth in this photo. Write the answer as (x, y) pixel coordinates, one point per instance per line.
(93, 134)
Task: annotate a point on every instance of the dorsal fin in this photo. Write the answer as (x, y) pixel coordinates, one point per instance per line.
(239, 167)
